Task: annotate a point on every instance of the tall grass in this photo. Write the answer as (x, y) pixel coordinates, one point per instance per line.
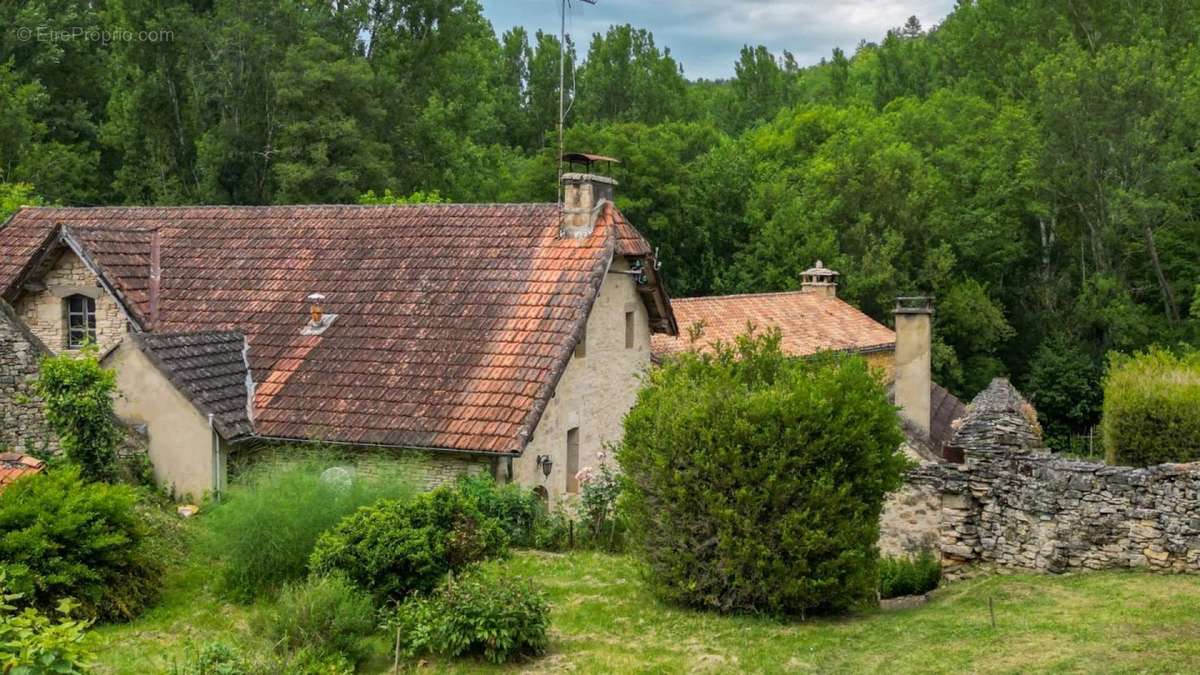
(264, 529)
(909, 576)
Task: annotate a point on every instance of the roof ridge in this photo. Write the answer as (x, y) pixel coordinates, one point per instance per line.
(196, 333)
(135, 207)
(757, 295)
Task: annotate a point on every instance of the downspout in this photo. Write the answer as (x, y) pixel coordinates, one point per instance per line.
(216, 459)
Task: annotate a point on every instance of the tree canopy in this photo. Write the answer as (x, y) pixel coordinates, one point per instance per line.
(1032, 165)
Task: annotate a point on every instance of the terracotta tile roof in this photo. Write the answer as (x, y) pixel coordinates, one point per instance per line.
(14, 465)
(455, 321)
(210, 369)
(809, 323)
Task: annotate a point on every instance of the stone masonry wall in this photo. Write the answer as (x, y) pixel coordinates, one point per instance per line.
(423, 470)
(1037, 512)
(1012, 505)
(22, 426)
(43, 313)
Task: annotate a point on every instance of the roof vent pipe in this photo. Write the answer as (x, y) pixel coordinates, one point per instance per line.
(316, 307)
(318, 319)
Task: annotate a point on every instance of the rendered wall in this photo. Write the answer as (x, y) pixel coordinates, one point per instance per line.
(912, 367)
(180, 440)
(596, 390)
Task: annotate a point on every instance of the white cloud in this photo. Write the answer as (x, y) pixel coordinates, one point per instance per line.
(705, 35)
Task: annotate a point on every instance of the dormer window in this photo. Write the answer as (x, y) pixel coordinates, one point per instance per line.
(81, 320)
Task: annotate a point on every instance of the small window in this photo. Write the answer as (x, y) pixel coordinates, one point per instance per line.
(581, 346)
(81, 321)
(630, 330)
(573, 460)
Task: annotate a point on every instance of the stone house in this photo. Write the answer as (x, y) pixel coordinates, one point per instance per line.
(501, 338)
(814, 320)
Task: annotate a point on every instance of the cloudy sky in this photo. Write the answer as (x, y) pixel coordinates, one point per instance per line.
(705, 35)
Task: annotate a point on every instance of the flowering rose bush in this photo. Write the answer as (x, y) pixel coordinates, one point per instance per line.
(599, 489)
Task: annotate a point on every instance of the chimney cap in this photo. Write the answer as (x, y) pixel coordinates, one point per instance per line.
(914, 304)
(820, 270)
(587, 158)
(316, 297)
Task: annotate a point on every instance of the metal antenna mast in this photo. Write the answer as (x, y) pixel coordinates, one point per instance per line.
(562, 87)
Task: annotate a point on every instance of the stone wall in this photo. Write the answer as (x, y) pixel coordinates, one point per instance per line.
(1033, 511)
(1012, 505)
(22, 425)
(595, 392)
(427, 470)
(44, 315)
(423, 469)
(911, 520)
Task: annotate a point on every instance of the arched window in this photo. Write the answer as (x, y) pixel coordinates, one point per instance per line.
(81, 320)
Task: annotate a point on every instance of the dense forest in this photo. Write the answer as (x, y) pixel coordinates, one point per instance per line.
(1034, 164)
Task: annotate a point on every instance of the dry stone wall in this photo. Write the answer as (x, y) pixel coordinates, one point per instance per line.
(23, 428)
(1010, 504)
(1034, 511)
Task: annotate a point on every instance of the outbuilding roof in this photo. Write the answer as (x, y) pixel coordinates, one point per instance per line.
(454, 324)
(14, 465)
(809, 323)
(210, 368)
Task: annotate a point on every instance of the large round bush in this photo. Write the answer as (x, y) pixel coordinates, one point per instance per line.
(398, 547)
(63, 537)
(1152, 408)
(755, 482)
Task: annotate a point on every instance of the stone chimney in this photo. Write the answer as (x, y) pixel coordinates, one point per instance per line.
(584, 194)
(819, 280)
(914, 334)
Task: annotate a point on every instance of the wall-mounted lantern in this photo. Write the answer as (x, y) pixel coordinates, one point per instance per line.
(546, 463)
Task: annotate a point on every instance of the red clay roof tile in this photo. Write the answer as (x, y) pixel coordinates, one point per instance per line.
(809, 323)
(436, 304)
(14, 465)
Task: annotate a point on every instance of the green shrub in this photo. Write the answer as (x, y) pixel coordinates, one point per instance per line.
(325, 615)
(476, 613)
(1152, 408)
(552, 530)
(516, 508)
(31, 642)
(77, 397)
(909, 576)
(755, 482)
(61, 537)
(398, 547)
(266, 526)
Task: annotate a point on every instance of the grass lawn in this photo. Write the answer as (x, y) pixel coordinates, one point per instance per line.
(604, 621)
